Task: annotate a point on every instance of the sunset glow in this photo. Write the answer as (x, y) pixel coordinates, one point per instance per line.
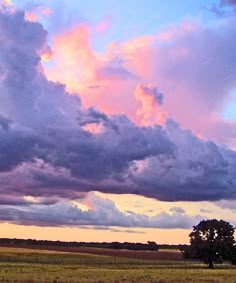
(117, 120)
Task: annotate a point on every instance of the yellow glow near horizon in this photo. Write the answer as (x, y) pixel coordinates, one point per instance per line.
(135, 203)
(161, 236)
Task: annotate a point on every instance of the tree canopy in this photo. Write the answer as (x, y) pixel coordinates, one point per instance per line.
(212, 241)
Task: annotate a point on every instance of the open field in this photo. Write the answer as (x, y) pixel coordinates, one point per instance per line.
(161, 255)
(28, 265)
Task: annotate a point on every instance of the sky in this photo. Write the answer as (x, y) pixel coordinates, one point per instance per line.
(117, 118)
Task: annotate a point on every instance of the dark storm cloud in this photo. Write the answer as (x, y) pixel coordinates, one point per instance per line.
(45, 150)
(17, 145)
(5, 123)
(198, 169)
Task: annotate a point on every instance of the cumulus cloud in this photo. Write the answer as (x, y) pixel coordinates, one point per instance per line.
(43, 113)
(194, 66)
(151, 100)
(47, 152)
(191, 63)
(198, 167)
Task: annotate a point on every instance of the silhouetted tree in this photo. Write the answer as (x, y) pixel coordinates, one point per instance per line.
(212, 241)
(153, 246)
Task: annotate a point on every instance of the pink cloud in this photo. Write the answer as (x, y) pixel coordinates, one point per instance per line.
(36, 12)
(31, 16)
(191, 64)
(74, 55)
(100, 79)
(103, 25)
(54, 156)
(93, 128)
(47, 11)
(6, 5)
(151, 100)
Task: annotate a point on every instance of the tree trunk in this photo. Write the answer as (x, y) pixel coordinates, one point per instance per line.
(210, 261)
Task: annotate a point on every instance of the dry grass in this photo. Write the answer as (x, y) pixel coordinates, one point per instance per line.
(31, 266)
(152, 255)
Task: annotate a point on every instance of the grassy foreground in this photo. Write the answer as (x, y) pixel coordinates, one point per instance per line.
(23, 265)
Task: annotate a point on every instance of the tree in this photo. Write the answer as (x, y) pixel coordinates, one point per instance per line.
(234, 255)
(152, 246)
(212, 241)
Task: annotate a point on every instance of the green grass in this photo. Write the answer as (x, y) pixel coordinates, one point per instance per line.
(22, 265)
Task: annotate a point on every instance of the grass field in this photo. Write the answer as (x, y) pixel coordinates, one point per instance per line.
(28, 265)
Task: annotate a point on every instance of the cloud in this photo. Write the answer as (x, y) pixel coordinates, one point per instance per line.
(227, 3)
(5, 123)
(199, 168)
(72, 50)
(227, 204)
(177, 209)
(47, 152)
(225, 8)
(84, 68)
(115, 70)
(205, 210)
(194, 66)
(130, 231)
(191, 63)
(151, 100)
(103, 214)
(17, 145)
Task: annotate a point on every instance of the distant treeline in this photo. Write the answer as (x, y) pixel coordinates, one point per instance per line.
(149, 246)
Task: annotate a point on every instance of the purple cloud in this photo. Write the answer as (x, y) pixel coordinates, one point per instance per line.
(104, 213)
(177, 209)
(115, 70)
(46, 152)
